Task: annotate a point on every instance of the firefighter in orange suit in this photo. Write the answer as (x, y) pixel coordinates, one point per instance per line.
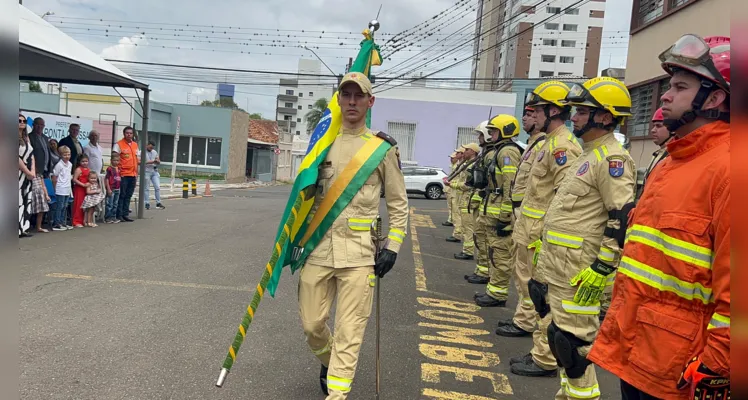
(667, 334)
(342, 267)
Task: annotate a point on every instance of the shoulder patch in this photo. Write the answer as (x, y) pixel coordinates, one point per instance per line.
(615, 165)
(583, 169)
(560, 156)
(387, 138)
(507, 160)
(540, 156)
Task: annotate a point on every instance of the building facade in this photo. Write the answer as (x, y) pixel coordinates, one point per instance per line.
(522, 39)
(656, 25)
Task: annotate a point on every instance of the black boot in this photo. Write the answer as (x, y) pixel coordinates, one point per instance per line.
(489, 301)
(453, 239)
(521, 359)
(447, 224)
(505, 322)
(531, 369)
(512, 331)
(478, 280)
(323, 379)
(463, 256)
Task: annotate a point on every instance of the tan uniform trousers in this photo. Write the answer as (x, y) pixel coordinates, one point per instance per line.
(468, 231)
(456, 214)
(525, 316)
(449, 204)
(583, 323)
(481, 242)
(500, 253)
(354, 289)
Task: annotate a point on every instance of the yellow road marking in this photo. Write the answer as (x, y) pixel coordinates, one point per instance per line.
(147, 282)
(422, 221)
(417, 260)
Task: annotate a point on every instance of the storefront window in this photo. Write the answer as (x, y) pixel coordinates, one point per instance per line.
(191, 150)
(214, 152)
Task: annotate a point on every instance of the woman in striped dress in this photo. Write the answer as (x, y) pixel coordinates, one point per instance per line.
(25, 176)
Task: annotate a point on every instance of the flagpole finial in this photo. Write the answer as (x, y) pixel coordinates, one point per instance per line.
(374, 25)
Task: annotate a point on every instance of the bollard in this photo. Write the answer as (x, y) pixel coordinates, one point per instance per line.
(185, 188)
(194, 187)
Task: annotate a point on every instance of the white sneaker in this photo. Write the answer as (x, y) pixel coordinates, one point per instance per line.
(69, 227)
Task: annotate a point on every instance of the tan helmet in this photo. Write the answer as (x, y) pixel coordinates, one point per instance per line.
(483, 130)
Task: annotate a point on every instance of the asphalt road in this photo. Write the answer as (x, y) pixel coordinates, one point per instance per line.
(147, 310)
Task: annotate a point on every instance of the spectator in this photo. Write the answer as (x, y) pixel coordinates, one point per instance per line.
(129, 155)
(80, 181)
(92, 199)
(112, 190)
(40, 145)
(93, 151)
(152, 176)
(71, 140)
(53, 153)
(39, 201)
(62, 180)
(25, 175)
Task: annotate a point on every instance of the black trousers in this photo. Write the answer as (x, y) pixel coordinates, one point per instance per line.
(629, 392)
(126, 189)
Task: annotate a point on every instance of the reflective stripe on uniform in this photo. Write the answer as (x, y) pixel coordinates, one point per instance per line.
(506, 207)
(325, 349)
(676, 248)
(601, 152)
(663, 282)
(518, 196)
(339, 384)
(574, 308)
(582, 393)
(508, 169)
(396, 235)
(562, 239)
(532, 213)
(611, 279)
(527, 301)
(360, 224)
(719, 321)
(464, 210)
(493, 211)
(481, 268)
(606, 255)
(476, 197)
(495, 289)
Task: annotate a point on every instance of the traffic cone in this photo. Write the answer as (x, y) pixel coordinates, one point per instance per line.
(207, 189)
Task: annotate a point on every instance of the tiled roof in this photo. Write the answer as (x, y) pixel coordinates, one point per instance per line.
(263, 130)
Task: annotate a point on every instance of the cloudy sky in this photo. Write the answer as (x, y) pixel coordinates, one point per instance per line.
(151, 31)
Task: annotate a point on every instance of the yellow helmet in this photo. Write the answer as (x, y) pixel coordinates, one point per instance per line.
(481, 128)
(605, 93)
(551, 92)
(506, 124)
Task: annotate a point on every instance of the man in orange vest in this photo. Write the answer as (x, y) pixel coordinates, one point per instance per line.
(667, 334)
(129, 158)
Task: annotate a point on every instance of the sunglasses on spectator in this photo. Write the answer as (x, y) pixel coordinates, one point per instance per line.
(21, 121)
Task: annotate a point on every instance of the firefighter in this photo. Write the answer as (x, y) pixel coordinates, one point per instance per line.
(481, 273)
(499, 168)
(461, 183)
(661, 136)
(667, 334)
(448, 190)
(456, 235)
(553, 159)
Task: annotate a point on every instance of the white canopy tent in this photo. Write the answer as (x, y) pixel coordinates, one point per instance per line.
(49, 55)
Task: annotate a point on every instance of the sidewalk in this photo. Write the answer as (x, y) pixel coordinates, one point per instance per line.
(166, 193)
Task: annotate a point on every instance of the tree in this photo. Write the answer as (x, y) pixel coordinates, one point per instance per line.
(224, 102)
(255, 116)
(34, 86)
(315, 114)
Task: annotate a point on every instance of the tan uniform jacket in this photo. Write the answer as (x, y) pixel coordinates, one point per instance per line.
(502, 168)
(519, 187)
(553, 159)
(601, 180)
(464, 191)
(348, 242)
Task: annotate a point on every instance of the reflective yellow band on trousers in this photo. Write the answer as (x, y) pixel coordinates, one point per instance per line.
(719, 321)
(495, 289)
(664, 282)
(482, 268)
(606, 255)
(396, 235)
(676, 248)
(339, 384)
(532, 213)
(562, 239)
(360, 224)
(574, 308)
(325, 349)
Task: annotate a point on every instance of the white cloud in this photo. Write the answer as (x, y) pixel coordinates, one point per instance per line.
(125, 49)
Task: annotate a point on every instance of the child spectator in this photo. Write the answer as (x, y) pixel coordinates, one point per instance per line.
(112, 183)
(62, 175)
(80, 184)
(94, 196)
(39, 201)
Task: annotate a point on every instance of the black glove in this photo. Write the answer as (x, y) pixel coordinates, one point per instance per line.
(702, 382)
(502, 229)
(385, 262)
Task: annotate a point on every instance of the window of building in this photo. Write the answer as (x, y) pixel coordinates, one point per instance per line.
(565, 73)
(198, 151)
(301, 94)
(300, 107)
(405, 135)
(289, 92)
(572, 11)
(214, 152)
(566, 60)
(641, 108)
(465, 135)
(289, 105)
(183, 150)
(309, 106)
(551, 26)
(547, 58)
(550, 42)
(166, 148)
(286, 117)
(545, 74)
(298, 132)
(298, 119)
(311, 94)
(648, 11)
(568, 43)
(570, 27)
(191, 150)
(553, 10)
(677, 3)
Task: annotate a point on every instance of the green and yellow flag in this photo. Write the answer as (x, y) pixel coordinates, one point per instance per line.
(299, 233)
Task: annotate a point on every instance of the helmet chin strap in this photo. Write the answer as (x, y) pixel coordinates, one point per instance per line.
(547, 112)
(589, 125)
(707, 87)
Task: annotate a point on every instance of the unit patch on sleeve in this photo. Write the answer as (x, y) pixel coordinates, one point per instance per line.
(560, 156)
(507, 160)
(615, 165)
(583, 169)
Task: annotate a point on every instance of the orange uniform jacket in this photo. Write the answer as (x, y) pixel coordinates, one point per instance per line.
(671, 299)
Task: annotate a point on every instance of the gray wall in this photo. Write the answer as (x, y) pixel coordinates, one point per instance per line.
(49, 103)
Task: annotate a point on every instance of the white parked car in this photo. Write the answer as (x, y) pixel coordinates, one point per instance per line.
(428, 181)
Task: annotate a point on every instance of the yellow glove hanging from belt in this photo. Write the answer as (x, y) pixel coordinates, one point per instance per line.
(537, 245)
